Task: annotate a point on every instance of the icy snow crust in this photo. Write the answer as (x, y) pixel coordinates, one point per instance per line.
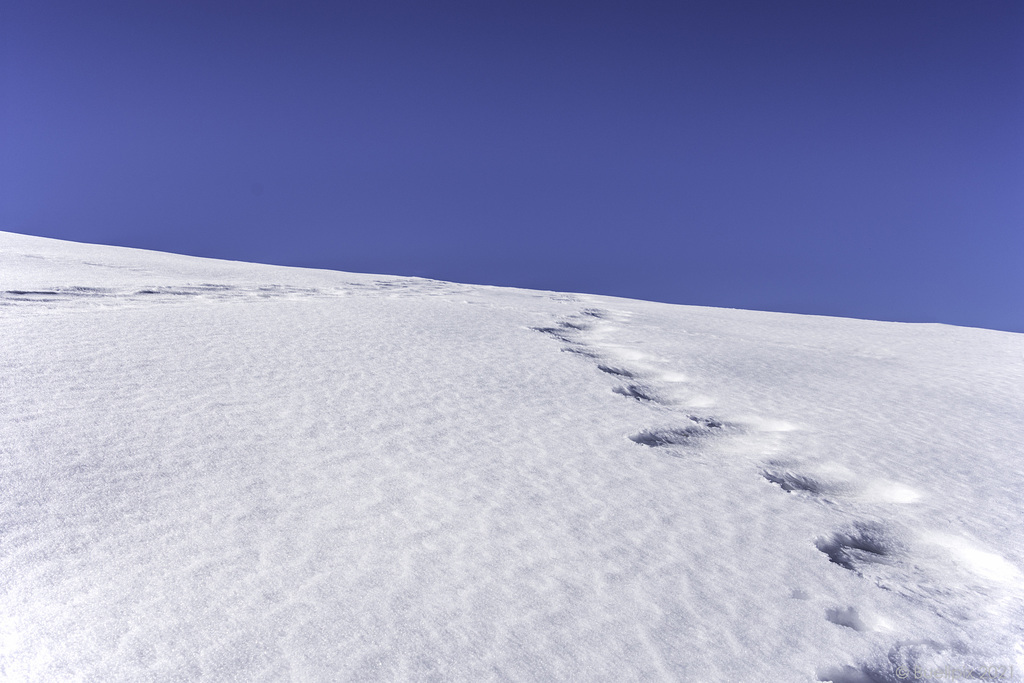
(234, 472)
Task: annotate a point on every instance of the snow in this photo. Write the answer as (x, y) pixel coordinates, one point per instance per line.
(224, 471)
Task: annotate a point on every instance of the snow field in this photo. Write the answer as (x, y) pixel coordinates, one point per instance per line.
(217, 471)
(949, 576)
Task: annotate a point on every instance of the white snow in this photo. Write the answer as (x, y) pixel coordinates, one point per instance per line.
(234, 472)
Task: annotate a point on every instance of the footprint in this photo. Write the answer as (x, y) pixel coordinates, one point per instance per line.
(794, 482)
(831, 479)
(617, 371)
(701, 428)
(640, 393)
(603, 314)
(816, 480)
(866, 543)
(851, 617)
(559, 333)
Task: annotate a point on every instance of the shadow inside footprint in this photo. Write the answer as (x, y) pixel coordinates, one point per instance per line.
(866, 543)
(579, 350)
(558, 333)
(848, 617)
(793, 482)
(675, 436)
(638, 392)
(618, 372)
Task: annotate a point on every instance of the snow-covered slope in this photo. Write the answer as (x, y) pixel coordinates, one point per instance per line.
(224, 471)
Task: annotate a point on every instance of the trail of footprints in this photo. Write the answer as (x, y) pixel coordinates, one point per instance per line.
(583, 334)
(109, 296)
(873, 549)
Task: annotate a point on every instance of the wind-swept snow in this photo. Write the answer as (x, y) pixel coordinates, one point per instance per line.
(225, 471)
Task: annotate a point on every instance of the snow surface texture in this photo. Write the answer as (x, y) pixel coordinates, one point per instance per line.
(234, 472)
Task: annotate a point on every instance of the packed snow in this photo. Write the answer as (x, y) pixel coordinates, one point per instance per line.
(222, 471)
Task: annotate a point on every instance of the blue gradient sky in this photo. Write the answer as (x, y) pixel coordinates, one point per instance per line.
(853, 158)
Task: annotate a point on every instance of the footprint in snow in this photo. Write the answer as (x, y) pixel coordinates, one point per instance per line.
(641, 392)
(904, 662)
(853, 618)
(831, 480)
(617, 371)
(862, 545)
(698, 429)
(565, 331)
(814, 480)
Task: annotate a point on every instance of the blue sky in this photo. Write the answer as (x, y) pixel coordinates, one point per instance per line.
(859, 159)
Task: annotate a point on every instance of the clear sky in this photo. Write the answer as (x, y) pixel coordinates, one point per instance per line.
(858, 158)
